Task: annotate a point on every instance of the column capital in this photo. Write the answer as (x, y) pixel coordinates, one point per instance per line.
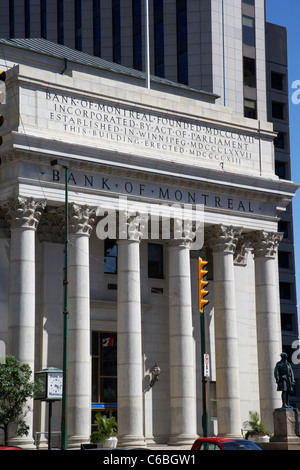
(132, 227)
(265, 244)
(223, 238)
(182, 233)
(24, 212)
(81, 219)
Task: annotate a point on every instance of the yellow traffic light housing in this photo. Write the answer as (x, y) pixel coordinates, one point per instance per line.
(2, 87)
(201, 284)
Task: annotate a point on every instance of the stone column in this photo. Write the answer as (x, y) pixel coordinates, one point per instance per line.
(223, 242)
(183, 415)
(24, 218)
(79, 360)
(268, 320)
(130, 367)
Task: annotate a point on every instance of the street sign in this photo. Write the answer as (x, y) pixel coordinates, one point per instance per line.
(206, 371)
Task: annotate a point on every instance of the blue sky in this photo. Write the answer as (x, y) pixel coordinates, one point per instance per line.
(287, 13)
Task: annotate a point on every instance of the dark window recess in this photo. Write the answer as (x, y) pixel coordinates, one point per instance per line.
(137, 34)
(285, 290)
(279, 141)
(249, 2)
(155, 260)
(97, 28)
(280, 169)
(110, 256)
(116, 28)
(277, 81)
(277, 110)
(284, 259)
(283, 227)
(182, 56)
(159, 47)
(287, 322)
(104, 367)
(249, 72)
(250, 110)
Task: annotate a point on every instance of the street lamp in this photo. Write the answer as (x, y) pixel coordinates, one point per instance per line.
(64, 165)
(155, 371)
(52, 381)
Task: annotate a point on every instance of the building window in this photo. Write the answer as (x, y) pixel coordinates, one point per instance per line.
(116, 29)
(287, 322)
(27, 18)
(97, 28)
(249, 72)
(78, 26)
(285, 290)
(280, 169)
(248, 31)
(277, 81)
(284, 259)
(249, 2)
(44, 19)
(104, 367)
(11, 19)
(250, 108)
(60, 21)
(137, 34)
(283, 227)
(277, 110)
(155, 261)
(182, 56)
(110, 256)
(279, 140)
(159, 49)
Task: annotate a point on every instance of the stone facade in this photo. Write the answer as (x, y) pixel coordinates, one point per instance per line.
(138, 157)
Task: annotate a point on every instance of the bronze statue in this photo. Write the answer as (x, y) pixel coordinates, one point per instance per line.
(285, 380)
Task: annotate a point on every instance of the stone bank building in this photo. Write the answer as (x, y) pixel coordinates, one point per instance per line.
(156, 178)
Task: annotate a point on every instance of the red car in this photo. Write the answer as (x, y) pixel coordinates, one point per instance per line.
(223, 443)
(10, 448)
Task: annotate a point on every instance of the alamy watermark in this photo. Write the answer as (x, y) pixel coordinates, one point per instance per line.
(296, 93)
(130, 220)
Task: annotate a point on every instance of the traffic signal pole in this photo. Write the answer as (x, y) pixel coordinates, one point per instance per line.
(201, 293)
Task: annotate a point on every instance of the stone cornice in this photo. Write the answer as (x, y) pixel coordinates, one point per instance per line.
(274, 190)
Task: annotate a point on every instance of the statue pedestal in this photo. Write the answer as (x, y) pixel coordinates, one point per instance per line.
(286, 431)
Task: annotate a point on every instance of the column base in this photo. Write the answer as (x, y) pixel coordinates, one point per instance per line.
(74, 442)
(182, 440)
(131, 441)
(24, 442)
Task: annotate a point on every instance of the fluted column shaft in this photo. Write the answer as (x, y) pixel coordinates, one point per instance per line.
(129, 329)
(79, 362)
(24, 217)
(223, 243)
(267, 320)
(182, 347)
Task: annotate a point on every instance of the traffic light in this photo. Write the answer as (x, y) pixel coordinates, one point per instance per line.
(2, 87)
(201, 284)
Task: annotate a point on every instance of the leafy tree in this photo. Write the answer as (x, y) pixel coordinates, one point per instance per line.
(15, 390)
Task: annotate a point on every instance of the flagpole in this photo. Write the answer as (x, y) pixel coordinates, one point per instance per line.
(147, 47)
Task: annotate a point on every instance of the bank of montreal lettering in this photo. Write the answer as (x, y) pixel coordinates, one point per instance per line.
(160, 193)
(115, 124)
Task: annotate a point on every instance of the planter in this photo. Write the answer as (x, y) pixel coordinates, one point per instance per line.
(110, 442)
(259, 438)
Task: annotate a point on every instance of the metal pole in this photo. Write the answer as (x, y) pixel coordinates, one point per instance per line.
(147, 47)
(204, 379)
(49, 424)
(66, 326)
